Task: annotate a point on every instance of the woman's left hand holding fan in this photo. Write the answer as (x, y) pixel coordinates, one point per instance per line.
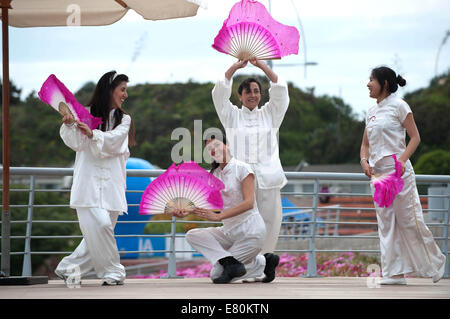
(68, 119)
(403, 165)
(207, 214)
(257, 63)
(84, 128)
(181, 213)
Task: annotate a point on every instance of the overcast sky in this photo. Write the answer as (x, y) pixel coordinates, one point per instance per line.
(345, 38)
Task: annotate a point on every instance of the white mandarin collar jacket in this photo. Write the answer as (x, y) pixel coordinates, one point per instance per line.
(253, 134)
(384, 127)
(99, 178)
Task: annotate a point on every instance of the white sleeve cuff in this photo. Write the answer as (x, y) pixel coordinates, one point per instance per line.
(96, 135)
(281, 82)
(73, 125)
(226, 82)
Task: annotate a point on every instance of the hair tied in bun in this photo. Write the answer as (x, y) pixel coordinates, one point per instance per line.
(401, 81)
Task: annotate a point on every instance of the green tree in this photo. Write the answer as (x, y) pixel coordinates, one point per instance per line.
(431, 106)
(433, 163)
(316, 129)
(14, 93)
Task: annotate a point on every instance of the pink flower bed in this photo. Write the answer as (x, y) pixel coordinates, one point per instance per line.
(346, 264)
(342, 265)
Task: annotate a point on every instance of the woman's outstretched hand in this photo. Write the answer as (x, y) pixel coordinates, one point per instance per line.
(84, 128)
(366, 168)
(180, 213)
(273, 77)
(236, 66)
(68, 119)
(240, 64)
(257, 62)
(207, 214)
(403, 165)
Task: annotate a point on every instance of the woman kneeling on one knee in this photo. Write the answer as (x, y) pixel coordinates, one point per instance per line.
(233, 249)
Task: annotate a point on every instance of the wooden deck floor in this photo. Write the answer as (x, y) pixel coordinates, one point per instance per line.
(202, 288)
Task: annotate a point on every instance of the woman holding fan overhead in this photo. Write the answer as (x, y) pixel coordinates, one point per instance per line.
(407, 245)
(251, 35)
(99, 181)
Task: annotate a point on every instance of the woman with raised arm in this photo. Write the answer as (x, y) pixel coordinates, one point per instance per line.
(99, 182)
(252, 134)
(407, 245)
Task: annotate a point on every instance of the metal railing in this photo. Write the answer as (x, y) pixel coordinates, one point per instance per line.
(312, 224)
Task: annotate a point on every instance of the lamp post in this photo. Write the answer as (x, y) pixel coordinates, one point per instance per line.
(6, 278)
(5, 265)
(439, 52)
(305, 63)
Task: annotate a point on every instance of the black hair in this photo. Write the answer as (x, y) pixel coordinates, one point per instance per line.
(101, 101)
(246, 85)
(383, 74)
(212, 136)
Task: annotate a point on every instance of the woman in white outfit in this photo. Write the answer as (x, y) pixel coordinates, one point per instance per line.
(252, 134)
(99, 182)
(233, 249)
(407, 245)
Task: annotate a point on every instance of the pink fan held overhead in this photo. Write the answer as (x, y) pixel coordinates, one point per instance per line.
(183, 187)
(54, 93)
(251, 32)
(388, 186)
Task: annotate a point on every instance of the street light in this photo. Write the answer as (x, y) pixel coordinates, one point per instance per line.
(271, 65)
(305, 63)
(297, 64)
(439, 52)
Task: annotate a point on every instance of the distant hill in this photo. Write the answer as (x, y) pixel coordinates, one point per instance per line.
(316, 129)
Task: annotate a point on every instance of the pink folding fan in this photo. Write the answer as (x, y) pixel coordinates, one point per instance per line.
(388, 186)
(251, 32)
(183, 187)
(54, 93)
(193, 169)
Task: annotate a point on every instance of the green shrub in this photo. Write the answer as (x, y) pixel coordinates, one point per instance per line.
(434, 163)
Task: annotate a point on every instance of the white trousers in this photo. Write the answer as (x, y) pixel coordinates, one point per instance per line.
(269, 206)
(98, 249)
(407, 245)
(243, 242)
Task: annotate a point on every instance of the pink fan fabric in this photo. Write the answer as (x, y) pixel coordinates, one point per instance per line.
(388, 186)
(53, 91)
(189, 181)
(193, 169)
(254, 13)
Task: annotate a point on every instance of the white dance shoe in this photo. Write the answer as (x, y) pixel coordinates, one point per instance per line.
(440, 273)
(392, 281)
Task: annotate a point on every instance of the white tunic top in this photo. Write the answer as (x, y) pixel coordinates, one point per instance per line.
(99, 178)
(253, 134)
(384, 128)
(232, 176)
